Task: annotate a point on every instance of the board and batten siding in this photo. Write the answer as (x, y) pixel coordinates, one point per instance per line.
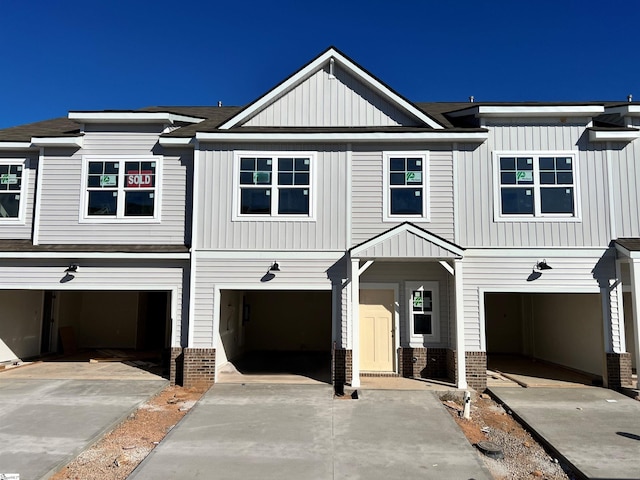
(249, 274)
(510, 275)
(23, 230)
(367, 192)
(95, 275)
(476, 185)
(62, 193)
(403, 272)
(325, 101)
(216, 228)
(625, 169)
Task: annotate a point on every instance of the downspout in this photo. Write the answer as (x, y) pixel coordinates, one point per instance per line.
(38, 198)
(194, 235)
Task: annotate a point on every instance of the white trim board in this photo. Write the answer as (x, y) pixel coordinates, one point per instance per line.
(97, 255)
(354, 137)
(271, 254)
(535, 252)
(132, 117)
(525, 111)
(329, 56)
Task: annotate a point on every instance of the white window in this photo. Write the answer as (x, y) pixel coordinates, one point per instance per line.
(406, 186)
(539, 185)
(423, 312)
(13, 181)
(274, 185)
(121, 187)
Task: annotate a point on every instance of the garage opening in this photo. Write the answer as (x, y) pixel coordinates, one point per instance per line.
(281, 334)
(133, 326)
(544, 339)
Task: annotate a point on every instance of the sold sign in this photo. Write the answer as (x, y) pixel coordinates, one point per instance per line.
(143, 178)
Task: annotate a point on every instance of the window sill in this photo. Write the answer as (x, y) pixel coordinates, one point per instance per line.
(272, 218)
(524, 219)
(419, 219)
(125, 220)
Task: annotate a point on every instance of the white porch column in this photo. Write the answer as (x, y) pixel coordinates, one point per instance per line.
(634, 266)
(354, 277)
(461, 373)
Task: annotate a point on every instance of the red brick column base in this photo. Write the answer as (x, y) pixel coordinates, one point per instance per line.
(618, 370)
(424, 362)
(342, 367)
(476, 368)
(199, 367)
(176, 366)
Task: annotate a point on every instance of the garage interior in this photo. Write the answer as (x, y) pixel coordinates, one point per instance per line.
(99, 326)
(545, 339)
(274, 333)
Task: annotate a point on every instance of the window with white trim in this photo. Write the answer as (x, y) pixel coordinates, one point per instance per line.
(536, 185)
(12, 190)
(406, 186)
(423, 313)
(274, 185)
(121, 187)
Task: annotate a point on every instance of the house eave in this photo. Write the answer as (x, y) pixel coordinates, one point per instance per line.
(132, 117)
(530, 111)
(613, 136)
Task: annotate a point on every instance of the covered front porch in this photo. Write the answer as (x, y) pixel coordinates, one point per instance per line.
(403, 312)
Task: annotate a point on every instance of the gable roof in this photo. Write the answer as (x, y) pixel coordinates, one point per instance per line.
(407, 241)
(328, 56)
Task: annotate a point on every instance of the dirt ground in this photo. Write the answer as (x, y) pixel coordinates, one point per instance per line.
(524, 458)
(118, 453)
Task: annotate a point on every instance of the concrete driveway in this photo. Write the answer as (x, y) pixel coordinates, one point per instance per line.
(49, 415)
(300, 431)
(595, 430)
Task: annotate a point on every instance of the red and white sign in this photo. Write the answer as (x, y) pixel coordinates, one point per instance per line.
(140, 179)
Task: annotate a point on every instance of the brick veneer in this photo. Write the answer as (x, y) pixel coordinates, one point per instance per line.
(452, 365)
(342, 368)
(429, 362)
(199, 367)
(476, 368)
(618, 370)
(176, 366)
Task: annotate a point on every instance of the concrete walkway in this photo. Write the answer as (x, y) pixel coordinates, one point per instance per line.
(293, 432)
(45, 423)
(595, 430)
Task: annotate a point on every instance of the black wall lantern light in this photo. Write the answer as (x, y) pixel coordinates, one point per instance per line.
(73, 268)
(275, 267)
(543, 265)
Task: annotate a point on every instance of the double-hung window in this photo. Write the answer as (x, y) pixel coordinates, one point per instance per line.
(12, 190)
(536, 185)
(121, 187)
(274, 185)
(422, 303)
(406, 186)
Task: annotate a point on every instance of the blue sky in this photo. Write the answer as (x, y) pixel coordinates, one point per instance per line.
(125, 54)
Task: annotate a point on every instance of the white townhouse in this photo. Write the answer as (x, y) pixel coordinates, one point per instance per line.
(333, 221)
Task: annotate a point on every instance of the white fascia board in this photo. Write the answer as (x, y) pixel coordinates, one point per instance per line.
(625, 110)
(535, 252)
(57, 141)
(176, 141)
(613, 136)
(531, 111)
(309, 70)
(132, 117)
(15, 146)
(627, 253)
(273, 255)
(97, 255)
(407, 228)
(435, 136)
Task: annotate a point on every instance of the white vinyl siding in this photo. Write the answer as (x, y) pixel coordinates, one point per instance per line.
(218, 230)
(625, 170)
(61, 196)
(368, 187)
(322, 101)
(476, 188)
